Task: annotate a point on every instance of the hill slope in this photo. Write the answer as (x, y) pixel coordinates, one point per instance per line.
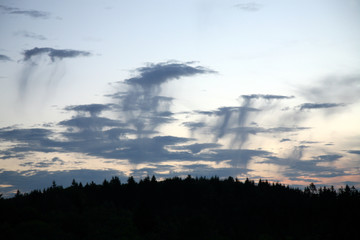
(181, 209)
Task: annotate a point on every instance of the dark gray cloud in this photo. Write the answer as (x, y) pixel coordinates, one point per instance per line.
(44, 163)
(114, 134)
(31, 134)
(265, 96)
(92, 135)
(249, 6)
(308, 168)
(234, 122)
(354, 152)
(27, 140)
(11, 154)
(94, 123)
(310, 180)
(296, 166)
(31, 35)
(92, 109)
(54, 53)
(89, 136)
(140, 150)
(242, 131)
(319, 105)
(141, 110)
(149, 150)
(50, 74)
(227, 110)
(30, 13)
(4, 58)
(328, 158)
(156, 74)
(227, 119)
(141, 104)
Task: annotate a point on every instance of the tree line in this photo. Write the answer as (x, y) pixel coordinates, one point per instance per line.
(181, 208)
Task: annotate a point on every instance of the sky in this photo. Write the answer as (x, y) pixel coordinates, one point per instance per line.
(264, 89)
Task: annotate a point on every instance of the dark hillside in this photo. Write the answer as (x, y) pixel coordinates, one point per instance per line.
(181, 209)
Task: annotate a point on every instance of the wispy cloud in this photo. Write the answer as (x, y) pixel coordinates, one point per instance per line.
(319, 105)
(141, 105)
(4, 58)
(47, 61)
(338, 89)
(249, 6)
(30, 13)
(30, 35)
(265, 96)
(234, 122)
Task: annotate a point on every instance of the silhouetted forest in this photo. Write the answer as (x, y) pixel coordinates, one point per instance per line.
(190, 208)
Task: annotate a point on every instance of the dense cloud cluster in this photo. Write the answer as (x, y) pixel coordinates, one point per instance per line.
(219, 143)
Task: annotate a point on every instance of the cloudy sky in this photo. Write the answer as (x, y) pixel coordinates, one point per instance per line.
(260, 89)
